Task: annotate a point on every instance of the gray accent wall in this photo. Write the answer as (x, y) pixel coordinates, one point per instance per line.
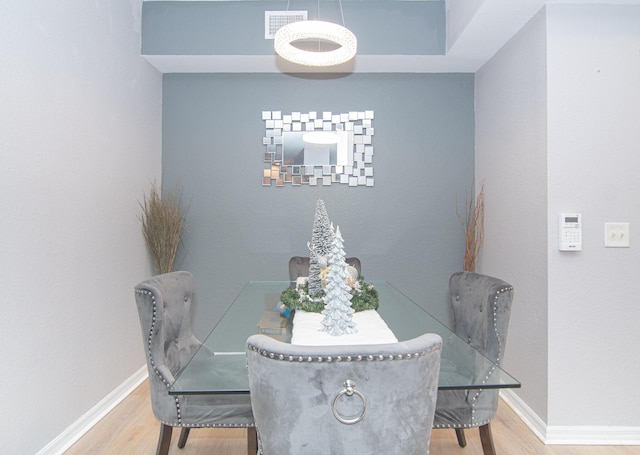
(237, 28)
(404, 229)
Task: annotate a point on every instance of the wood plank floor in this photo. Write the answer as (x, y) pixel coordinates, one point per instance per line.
(132, 429)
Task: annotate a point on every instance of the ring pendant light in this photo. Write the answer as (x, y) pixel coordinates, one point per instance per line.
(316, 30)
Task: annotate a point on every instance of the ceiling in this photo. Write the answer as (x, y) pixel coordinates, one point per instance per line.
(472, 32)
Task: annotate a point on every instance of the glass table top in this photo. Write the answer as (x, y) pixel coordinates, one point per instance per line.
(219, 366)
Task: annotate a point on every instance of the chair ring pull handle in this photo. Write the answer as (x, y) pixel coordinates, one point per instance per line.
(349, 389)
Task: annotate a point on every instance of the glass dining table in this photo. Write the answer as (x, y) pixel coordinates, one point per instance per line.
(219, 365)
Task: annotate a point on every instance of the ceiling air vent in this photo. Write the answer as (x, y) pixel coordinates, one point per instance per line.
(273, 20)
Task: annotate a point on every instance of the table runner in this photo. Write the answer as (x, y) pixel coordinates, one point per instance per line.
(371, 330)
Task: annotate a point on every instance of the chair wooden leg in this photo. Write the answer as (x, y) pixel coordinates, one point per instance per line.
(252, 441)
(487, 440)
(164, 441)
(462, 441)
(184, 434)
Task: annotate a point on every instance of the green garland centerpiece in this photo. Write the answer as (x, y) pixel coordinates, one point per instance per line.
(330, 279)
(365, 297)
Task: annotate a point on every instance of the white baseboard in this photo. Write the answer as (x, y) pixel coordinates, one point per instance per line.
(74, 432)
(593, 435)
(525, 413)
(571, 435)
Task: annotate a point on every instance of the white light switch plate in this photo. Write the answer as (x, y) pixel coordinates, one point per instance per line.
(616, 235)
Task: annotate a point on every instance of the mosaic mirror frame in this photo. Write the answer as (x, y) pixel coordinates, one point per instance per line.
(339, 150)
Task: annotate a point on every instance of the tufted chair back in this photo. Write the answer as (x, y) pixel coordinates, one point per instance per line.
(481, 307)
(299, 266)
(481, 310)
(164, 307)
(303, 405)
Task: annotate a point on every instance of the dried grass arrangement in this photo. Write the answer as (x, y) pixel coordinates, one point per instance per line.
(163, 220)
(473, 225)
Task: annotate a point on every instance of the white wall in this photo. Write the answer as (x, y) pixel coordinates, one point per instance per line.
(459, 14)
(80, 141)
(579, 368)
(594, 158)
(477, 29)
(511, 159)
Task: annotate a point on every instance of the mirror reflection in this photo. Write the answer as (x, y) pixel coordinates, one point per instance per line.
(317, 148)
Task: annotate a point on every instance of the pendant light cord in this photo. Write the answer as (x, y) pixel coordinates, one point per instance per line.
(318, 16)
(342, 14)
(341, 11)
(318, 12)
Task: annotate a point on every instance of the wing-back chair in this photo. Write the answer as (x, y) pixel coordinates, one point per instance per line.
(164, 307)
(357, 399)
(299, 266)
(481, 308)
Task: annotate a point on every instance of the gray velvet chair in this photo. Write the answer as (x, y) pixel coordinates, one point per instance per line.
(164, 307)
(481, 309)
(299, 266)
(304, 404)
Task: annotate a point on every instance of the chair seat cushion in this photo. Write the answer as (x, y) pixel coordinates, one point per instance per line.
(225, 410)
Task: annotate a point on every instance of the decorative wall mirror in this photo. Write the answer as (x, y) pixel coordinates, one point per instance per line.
(318, 148)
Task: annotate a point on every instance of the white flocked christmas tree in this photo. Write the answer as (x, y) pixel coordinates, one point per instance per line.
(320, 245)
(338, 314)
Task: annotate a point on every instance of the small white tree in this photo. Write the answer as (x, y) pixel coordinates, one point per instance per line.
(338, 314)
(320, 245)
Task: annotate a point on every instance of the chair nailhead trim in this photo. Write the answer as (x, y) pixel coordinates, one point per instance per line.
(152, 328)
(474, 423)
(179, 423)
(498, 355)
(349, 358)
(211, 425)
